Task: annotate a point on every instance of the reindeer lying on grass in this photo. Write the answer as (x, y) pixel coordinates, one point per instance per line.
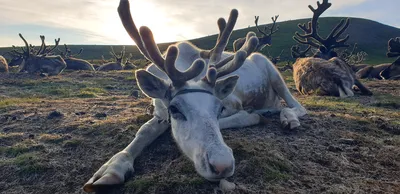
(39, 61)
(3, 65)
(112, 66)
(211, 94)
(72, 62)
(324, 73)
(389, 71)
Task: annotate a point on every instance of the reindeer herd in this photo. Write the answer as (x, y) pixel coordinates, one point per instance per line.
(200, 92)
(44, 60)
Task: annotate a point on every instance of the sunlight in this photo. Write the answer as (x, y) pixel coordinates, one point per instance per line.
(144, 14)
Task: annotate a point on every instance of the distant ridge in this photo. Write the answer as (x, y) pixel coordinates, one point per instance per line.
(371, 37)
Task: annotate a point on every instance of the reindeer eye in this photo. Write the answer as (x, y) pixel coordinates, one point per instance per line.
(221, 111)
(176, 113)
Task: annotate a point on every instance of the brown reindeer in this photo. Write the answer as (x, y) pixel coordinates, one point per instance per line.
(112, 66)
(3, 65)
(263, 40)
(324, 73)
(388, 70)
(40, 61)
(74, 63)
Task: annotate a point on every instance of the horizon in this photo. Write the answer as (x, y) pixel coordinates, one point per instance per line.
(98, 23)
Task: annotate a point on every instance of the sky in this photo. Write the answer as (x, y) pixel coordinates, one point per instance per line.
(97, 21)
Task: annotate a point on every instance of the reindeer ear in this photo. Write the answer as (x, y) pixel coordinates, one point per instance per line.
(225, 86)
(151, 85)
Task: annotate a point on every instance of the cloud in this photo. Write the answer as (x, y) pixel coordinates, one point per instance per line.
(97, 21)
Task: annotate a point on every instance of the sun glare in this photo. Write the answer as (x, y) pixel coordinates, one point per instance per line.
(144, 14)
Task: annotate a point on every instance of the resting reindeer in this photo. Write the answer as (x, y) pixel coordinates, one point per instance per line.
(210, 95)
(324, 73)
(117, 65)
(16, 59)
(128, 63)
(39, 62)
(72, 62)
(3, 65)
(385, 71)
(264, 40)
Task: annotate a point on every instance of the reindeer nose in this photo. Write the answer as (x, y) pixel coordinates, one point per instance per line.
(220, 169)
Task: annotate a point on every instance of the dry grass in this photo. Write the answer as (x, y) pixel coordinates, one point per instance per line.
(343, 146)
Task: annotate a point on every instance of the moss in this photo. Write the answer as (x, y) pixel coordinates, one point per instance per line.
(73, 143)
(6, 102)
(20, 148)
(29, 163)
(86, 94)
(50, 138)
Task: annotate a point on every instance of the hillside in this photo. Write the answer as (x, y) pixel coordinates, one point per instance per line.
(371, 37)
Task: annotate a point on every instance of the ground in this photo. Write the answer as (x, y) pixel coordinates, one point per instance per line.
(55, 132)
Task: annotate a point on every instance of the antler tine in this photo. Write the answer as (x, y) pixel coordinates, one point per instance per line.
(151, 47)
(221, 26)
(224, 38)
(129, 25)
(42, 46)
(27, 52)
(393, 47)
(272, 31)
(57, 42)
(258, 28)
(237, 62)
(177, 77)
(249, 46)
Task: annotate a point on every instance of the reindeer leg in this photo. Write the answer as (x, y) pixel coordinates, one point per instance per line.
(115, 170)
(239, 119)
(289, 116)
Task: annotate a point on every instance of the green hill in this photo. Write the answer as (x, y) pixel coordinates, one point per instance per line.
(371, 37)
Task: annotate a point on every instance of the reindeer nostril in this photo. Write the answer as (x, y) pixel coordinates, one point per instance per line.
(213, 169)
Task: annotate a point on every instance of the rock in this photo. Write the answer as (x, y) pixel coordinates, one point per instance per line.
(55, 114)
(135, 93)
(225, 185)
(80, 113)
(100, 115)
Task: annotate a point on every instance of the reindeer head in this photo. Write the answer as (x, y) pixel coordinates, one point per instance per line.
(393, 71)
(193, 97)
(311, 37)
(120, 57)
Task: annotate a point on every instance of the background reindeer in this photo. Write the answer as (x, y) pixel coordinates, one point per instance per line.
(3, 65)
(197, 93)
(387, 70)
(72, 62)
(39, 61)
(112, 66)
(324, 73)
(264, 40)
(128, 63)
(392, 72)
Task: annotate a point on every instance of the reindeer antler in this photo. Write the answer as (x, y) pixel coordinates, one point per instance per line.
(393, 47)
(265, 39)
(147, 46)
(311, 36)
(297, 53)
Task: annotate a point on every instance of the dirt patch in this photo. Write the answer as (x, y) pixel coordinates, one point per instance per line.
(343, 146)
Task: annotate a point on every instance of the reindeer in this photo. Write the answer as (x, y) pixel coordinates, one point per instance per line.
(388, 70)
(3, 64)
(273, 59)
(324, 73)
(74, 63)
(264, 40)
(128, 64)
(39, 61)
(117, 65)
(16, 59)
(197, 93)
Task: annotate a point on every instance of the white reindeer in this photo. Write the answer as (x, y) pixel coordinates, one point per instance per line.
(212, 94)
